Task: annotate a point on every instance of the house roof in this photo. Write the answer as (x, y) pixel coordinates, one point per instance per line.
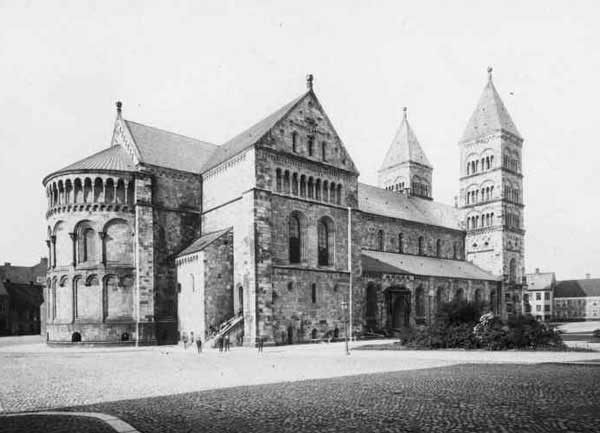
(540, 281)
(405, 147)
(115, 158)
(202, 242)
(23, 274)
(250, 136)
(490, 116)
(379, 201)
(577, 288)
(393, 263)
(167, 149)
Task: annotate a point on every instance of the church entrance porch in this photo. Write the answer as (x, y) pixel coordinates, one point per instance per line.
(398, 303)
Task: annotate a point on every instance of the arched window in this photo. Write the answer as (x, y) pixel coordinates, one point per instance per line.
(478, 297)
(294, 239)
(459, 294)
(324, 151)
(468, 223)
(313, 293)
(487, 162)
(311, 145)
(421, 246)
(473, 168)
(492, 161)
(401, 243)
(318, 189)
(420, 302)
(380, 245)
(325, 242)
(332, 192)
(303, 186)
(286, 182)
(109, 191)
(468, 198)
(454, 251)
(438, 248)
(512, 271)
(339, 194)
(325, 191)
(278, 180)
(295, 183)
(311, 188)
(294, 141)
(492, 218)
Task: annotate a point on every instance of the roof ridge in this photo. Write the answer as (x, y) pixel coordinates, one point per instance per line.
(167, 131)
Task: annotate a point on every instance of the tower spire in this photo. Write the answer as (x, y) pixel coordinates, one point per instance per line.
(489, 71)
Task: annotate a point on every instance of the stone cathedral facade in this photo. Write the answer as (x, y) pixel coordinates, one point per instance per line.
(271, 234)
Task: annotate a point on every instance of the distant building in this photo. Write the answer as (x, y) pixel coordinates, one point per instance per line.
(577, 299)
(537, 298)
(21, 296)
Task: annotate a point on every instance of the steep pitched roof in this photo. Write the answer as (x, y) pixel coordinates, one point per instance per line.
(379, 201)
(405, 147)
(114, 158)
(203, 241)
(490, 116)
(250, 136)
(540, 281)
(167, 149)
(577, 288)
(393, 263)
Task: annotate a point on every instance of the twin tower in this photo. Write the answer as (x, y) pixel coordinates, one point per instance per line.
(490, 201)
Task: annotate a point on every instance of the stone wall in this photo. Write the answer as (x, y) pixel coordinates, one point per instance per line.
(218, 281)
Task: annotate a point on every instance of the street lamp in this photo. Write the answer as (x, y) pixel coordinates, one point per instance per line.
(345, 310)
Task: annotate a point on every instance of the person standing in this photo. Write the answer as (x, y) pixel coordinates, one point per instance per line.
(227, 343)
(220, 343)
(260, 343)
(199, 344)
(185, 340)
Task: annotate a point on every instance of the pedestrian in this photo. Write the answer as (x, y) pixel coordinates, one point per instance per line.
(260, 343)
(227, 343)
(192, 338)
(185, 340)
(199, 344)
(220, 343)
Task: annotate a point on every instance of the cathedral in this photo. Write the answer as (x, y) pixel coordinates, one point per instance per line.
(271, 235)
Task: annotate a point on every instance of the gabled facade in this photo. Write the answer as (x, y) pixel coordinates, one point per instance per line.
(491, 193)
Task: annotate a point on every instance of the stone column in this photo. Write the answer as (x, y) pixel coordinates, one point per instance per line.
(74, 241)
(103, 247)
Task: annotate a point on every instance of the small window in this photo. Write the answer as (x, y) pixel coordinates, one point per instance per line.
(380, 242)
(401, 243)
(313, 294)
(438, 248)
(421, 246)
(290, 286)
(324, 151)
(295, 142)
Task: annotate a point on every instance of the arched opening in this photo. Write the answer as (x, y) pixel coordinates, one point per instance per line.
(440, 298)
(420, 302)
(311, 188)
(401, 243)
(313, 334)
(313, 293)
(295, 183)
(400, 309)
(332, 192)
(371, 307)
(325, 242)
(325, 191)
(120, 197)
(78, 191)
(98, 189)
(512, 271)
(459, 294)
(318, 189)
(294, 239)
(286, 182)
(421, 246)
(109, 191)
(75, 337)
(380, 245)
(278, 180)
(438, 248)
(339, 194)
(478, 297)
(241, 299)
(294, 141)
(124, 336)
(303, 186)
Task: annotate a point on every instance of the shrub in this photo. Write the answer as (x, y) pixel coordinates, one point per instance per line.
(490, 332)
(596, 333)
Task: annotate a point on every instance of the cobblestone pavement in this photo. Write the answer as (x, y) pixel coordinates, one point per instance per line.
(462, 398)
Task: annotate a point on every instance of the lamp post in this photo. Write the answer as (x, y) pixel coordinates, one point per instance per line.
(345, 310)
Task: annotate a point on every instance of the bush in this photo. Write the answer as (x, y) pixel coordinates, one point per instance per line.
(520, 332)
(596, 333)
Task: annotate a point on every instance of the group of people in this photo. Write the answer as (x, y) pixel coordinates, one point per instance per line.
(224, 343)
(190, 341)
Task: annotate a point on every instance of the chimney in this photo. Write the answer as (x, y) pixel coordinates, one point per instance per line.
(6, 263)
(537, 270)
(588, 276)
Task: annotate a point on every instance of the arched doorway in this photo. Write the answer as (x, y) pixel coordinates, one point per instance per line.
(400, 308)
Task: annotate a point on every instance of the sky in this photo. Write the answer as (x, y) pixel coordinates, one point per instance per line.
(211, 69)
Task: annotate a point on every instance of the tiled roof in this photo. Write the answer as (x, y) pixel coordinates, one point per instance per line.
(113, 158)
(405, 147)
(250, 136)
(540, 281)
(202, 242)
(490, 116)
(392, 263)
(23, 274)
(170, 150)
(577, 288)
(379, 201)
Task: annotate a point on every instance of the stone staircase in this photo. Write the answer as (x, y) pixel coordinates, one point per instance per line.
(231, 326)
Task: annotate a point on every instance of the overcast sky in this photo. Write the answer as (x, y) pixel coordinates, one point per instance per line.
(209, 70)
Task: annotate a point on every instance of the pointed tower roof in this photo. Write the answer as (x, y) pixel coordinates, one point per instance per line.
(490, 116)
(405, 147)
